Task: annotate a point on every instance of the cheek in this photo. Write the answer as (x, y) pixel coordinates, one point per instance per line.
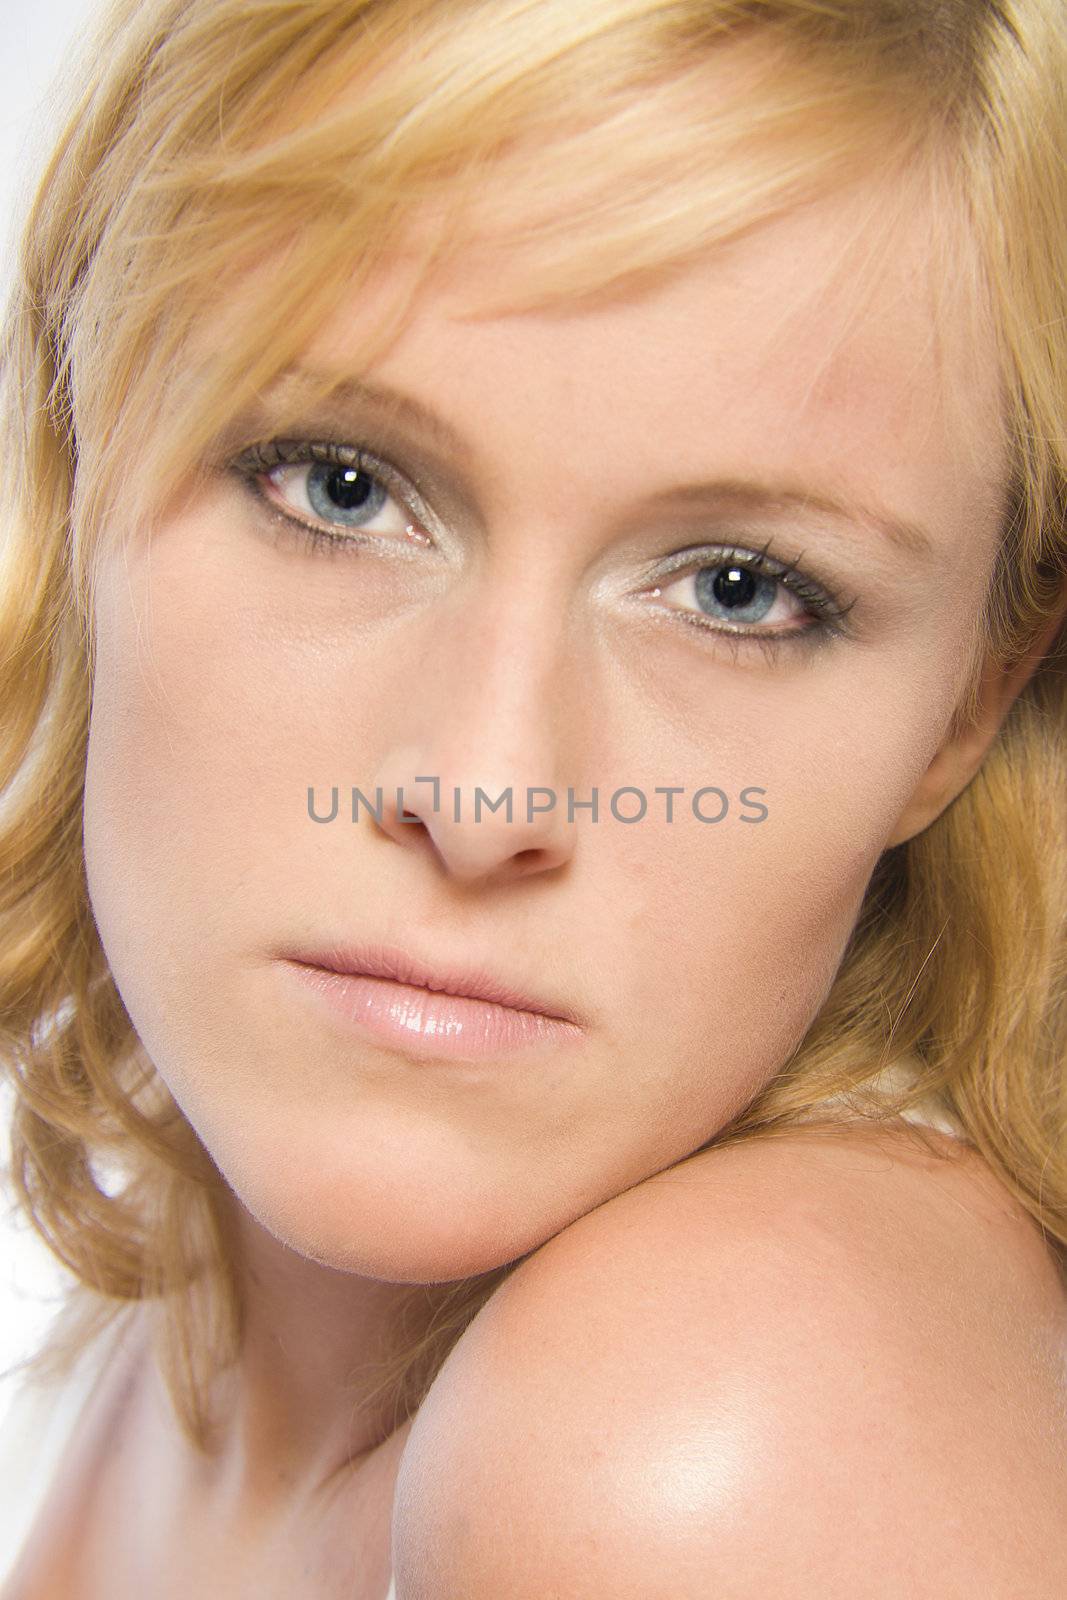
(172, 786)
(201, 739)
(733, 932)
(731, 940)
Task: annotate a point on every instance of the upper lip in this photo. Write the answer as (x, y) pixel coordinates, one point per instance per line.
(390, 961)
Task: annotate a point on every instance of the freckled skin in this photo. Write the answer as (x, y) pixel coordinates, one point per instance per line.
(235, 668)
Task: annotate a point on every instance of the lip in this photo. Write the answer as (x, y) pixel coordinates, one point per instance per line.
(390, 961)
(396, 998)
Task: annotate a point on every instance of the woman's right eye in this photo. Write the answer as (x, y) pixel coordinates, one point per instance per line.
(338, 495)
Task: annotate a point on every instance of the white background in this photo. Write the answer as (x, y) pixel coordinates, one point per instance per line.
(35, 36)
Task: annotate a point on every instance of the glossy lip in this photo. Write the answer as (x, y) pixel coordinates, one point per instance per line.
(390, 961)
(387, 999)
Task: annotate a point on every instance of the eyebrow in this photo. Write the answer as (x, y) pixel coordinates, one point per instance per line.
(754, 493)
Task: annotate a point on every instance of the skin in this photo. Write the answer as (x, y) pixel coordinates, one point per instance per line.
(524, 646)
(784, 1367)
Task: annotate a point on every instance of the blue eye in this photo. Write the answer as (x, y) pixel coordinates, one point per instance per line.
(349, 491)
(735, 589)
(744, 596)
(343, 487)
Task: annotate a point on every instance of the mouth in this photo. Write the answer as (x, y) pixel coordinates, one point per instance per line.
(430, 1010)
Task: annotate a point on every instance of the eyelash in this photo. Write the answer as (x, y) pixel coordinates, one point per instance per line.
(826, 608)
(258, 459)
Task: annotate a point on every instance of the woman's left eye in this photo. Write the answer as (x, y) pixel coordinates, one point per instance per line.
(732, 594)
(748, 595)
(337, 494)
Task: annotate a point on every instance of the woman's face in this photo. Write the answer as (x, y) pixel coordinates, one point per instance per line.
(537, 631)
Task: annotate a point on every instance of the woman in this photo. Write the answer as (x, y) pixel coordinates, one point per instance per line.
(535, 725)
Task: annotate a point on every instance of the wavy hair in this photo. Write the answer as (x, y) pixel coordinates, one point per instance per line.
(226, 170)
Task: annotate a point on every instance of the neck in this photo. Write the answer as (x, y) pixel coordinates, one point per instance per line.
(299, 1407)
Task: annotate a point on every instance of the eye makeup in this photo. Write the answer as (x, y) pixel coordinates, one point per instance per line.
(365, 481)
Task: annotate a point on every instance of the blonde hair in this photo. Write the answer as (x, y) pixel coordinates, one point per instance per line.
(217, 144)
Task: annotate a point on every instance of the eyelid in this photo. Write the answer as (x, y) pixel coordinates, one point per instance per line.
(820, 598)
(294, 451)
(426, 480)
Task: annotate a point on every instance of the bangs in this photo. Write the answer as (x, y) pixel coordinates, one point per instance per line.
(590, 149)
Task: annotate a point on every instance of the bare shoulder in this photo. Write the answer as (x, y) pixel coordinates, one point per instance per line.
(801, 1366)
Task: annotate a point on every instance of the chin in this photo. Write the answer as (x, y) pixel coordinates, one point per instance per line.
(401, 1222)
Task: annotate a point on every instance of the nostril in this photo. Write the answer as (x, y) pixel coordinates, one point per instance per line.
(533, 860)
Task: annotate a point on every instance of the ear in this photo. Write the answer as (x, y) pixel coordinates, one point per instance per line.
(958, 759)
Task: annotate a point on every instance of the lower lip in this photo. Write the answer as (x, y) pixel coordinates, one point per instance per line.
(422, 1022)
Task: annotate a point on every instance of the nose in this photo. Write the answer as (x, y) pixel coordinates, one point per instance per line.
(473, 777)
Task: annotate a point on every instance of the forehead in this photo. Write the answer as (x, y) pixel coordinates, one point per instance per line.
(842, 343)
